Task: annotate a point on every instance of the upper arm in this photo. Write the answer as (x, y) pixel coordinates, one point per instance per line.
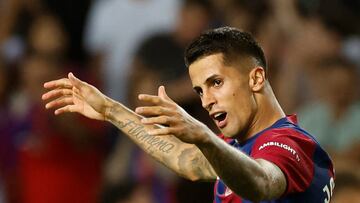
(275, 181)
(291, 154)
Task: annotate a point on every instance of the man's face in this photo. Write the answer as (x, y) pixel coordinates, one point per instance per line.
(225, 93)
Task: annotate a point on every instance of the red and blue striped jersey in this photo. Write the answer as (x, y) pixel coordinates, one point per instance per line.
(307, 167)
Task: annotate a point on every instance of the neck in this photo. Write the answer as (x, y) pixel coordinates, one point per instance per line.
(268, 112)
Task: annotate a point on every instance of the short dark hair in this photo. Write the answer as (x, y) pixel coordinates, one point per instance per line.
(231, 42)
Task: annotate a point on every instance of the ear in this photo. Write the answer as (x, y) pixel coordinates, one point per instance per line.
(257, 79)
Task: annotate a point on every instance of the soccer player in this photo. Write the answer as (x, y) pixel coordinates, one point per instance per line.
(261, 154)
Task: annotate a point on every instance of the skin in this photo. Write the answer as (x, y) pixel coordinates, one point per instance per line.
(73, 95)
(166, 132)
(242, 91)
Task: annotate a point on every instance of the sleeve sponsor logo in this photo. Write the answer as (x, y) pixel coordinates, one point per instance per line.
(281, 145)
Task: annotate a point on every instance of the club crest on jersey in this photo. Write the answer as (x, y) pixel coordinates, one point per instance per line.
(228, 192)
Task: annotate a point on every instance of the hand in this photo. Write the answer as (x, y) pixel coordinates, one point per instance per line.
(73, 95)
(175, 120)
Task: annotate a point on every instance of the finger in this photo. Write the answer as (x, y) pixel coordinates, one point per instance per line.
(162, 93)
(152, 99)
(160, 131)
(76, 90)
(161, 120)
(56, 93)
(60, 83)
(60, 102)
(76, 81)
(65, 109)
(153, 111)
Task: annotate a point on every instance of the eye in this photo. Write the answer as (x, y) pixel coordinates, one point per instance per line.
(217, 82)
(198, 91)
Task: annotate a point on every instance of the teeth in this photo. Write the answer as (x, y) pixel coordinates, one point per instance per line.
(217, 115)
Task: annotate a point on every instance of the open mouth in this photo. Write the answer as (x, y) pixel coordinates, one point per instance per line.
(220, 119)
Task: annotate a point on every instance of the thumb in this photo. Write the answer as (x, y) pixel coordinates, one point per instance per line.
(76, 82)
(162, 93)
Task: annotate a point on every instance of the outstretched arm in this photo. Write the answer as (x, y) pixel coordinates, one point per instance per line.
(73, 95)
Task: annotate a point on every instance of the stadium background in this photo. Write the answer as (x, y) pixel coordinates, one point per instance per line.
(129, 46)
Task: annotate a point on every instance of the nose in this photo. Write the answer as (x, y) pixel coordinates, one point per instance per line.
(208, 100)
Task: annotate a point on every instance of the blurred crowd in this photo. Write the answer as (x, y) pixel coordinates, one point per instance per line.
(127, 47)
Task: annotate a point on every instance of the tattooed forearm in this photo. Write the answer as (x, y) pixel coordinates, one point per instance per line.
(138, 132)
(192, 161)
(185, 159)
(129, 122)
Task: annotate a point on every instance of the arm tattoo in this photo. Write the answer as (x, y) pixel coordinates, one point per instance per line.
(138, 132)
(198, 164)
(185, 159)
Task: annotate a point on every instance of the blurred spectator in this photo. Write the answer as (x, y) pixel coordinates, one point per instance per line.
(57, 46)
(113, 31)
(4, 122)
(17, 15)
(333, 117)
(47, 37)
(351, 49)
(8, 154)
(47, 52)
(15, 18)
(159, 58)
(247, 15)
(309, 32)
(307, 44)
(58, 162)
(72, 15)
(115, 28)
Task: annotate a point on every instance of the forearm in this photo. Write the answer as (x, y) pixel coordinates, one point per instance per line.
(242, 174)
(185, 159)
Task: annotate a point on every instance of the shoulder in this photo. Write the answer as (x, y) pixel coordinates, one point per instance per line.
(286, 144)
(292, 151)
(279, 137)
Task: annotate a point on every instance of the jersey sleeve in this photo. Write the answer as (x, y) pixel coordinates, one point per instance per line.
(292, 152)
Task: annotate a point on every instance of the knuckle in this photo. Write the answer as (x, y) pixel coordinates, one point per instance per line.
(163, 131)
(141, 110)
(156, 100)
(151, 120)
(176, 131)
(178, 117)
(164, 119)
(168, 130)
(180, 129)
(158, 110)
(149, 110)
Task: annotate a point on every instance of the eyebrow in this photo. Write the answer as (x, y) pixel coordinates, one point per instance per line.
(207, 81)
(211, 78)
